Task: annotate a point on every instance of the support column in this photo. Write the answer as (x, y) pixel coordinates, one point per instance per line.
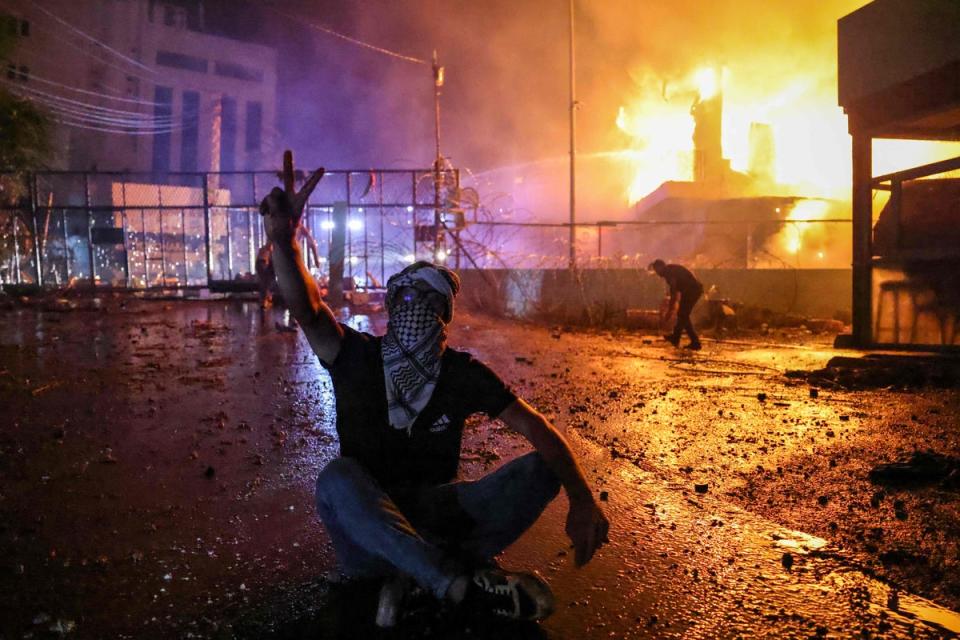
(862, 240)
(336, 253)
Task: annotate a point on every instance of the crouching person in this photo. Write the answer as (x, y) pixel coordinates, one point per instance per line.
(389, 503)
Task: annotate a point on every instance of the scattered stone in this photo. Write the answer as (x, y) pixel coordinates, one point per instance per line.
(762, 397)
(787, 561)
(823, 500)
(210, 472)
(814, 392)
(922, 469)
(604, 496)
(701, 488)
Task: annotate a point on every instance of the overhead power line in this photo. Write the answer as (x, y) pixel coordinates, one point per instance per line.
(105, 96)
(108, 93)
(87, 36)
(33, 53)
(79, 114)
(103, 129)
(359, 43)
(106, 111)
(75, 46)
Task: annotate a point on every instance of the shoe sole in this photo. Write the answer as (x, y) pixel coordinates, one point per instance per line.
(392, 594)
(541, 594)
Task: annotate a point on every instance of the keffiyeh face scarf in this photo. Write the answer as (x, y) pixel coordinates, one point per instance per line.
(413, 345)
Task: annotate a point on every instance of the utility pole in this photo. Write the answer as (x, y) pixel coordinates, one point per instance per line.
(573, 148)
(438, 159)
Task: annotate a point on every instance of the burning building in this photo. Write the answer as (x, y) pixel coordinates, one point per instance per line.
(721, 217)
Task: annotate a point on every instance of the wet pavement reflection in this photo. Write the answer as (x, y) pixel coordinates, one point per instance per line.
(158, 461)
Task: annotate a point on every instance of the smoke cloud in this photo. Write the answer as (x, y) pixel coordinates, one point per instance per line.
(504, 107)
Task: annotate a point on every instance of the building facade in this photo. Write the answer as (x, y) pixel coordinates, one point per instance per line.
(140, 85)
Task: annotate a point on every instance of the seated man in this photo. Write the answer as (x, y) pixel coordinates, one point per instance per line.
(389, 502)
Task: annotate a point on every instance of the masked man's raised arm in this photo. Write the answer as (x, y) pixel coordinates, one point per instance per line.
(282, 211)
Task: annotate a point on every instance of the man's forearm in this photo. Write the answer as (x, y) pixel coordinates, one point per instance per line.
(300, 292)
(555, 450)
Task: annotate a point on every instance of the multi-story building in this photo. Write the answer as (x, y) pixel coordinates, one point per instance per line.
(138, 85)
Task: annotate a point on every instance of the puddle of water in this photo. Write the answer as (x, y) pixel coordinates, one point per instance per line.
(879, 596)
(798, 541)
(928, 612)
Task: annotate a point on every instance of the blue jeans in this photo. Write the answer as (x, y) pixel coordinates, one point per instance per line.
(432, 534)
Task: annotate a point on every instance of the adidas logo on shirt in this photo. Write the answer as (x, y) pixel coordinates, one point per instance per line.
(441, 424)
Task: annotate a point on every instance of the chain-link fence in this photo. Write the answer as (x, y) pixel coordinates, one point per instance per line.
(772, 244)
(130, 230)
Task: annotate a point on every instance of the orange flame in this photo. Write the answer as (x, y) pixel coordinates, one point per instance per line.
(809, 131)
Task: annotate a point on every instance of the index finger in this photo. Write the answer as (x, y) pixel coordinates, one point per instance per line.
(288, 171)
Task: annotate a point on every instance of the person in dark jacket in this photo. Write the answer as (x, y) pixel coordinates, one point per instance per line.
(391, 503)
(683, 284)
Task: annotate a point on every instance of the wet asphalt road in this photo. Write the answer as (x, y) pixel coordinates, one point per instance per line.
(158, 462)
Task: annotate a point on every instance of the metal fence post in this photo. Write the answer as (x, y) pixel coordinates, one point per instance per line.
(383, 251)
(163, 244)
(123, 223)
(413, 215)
(206, 228)
(16, 246)
(66, 245)
(86, 199)
(36, 235)
(183, 236)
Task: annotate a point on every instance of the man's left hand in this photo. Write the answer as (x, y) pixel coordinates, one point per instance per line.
(587, 528)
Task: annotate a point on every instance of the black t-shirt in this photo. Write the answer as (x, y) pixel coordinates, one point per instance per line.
(681, 279)
(430, 453)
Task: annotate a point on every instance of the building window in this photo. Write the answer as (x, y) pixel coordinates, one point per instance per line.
(181, 61)
(14, 26)
(228, 134)
(238, 71)
(254, 130)
(174, 16)
(21, 73)
(162, 111)
(189, 136)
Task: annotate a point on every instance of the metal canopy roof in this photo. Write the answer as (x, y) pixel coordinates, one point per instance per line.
(899, 69)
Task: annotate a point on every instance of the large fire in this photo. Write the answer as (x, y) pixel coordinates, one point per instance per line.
(781, 126)
(810, 140)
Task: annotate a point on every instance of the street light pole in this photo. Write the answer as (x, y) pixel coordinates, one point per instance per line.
(573, 147)
(437, 83)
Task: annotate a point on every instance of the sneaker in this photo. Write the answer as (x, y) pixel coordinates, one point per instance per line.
(518, 596)
(694, 346)
(669, 337)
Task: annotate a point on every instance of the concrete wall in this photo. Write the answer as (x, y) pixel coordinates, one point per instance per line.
(595, 296)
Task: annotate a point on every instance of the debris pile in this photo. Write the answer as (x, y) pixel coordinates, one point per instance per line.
(884, 372)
